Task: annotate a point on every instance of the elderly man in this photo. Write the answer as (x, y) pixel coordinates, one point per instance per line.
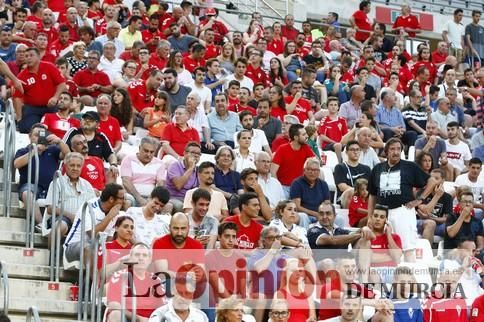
(109, 63)
(351, 110)
(160, 57)
(198, 119)
(177, 134)
(308, 192)
(368, 155)
(443, 116)
(76, 191)
(142, 172)
(42, 86)
(391, 184)
(108, 125)
(112, 31)
(91, 82)
(271, 187)
(223, 123)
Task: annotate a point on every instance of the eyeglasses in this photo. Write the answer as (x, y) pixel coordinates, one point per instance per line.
(272, 238)
(281, 314)
(325, 212)
(467, 202)
(313, 169)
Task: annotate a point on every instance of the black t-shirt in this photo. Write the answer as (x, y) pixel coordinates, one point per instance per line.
(443, 205)
(393, 186)
(470, 229)
(99, 146)
(317, 62)
(344, 173)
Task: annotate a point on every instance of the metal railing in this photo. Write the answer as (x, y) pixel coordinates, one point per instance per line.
(6, 290)
(56, 225)
(129, 278)
(84, 282)
(103, 236)
(8, 154)
(32, 195)
(438, 6)
(32, 313)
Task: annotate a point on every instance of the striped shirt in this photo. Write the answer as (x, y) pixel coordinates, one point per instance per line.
(143, 176)
(419, 116)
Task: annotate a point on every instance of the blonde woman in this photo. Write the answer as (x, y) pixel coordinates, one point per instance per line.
(231, 310)
(77, 61)
(227, 58)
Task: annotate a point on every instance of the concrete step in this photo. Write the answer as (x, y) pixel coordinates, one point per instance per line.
(45, 306)
(15, 211)
(32, 289)
(18, 238)
(22, 255)
(43, 318)
(13, 224)
(38, 272)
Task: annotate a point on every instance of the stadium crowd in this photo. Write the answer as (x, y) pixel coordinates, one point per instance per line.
(238, 154)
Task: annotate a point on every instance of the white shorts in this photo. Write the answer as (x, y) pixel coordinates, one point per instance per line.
(404, 223)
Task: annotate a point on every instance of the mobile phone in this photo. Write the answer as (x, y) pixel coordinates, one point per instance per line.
(43, 134)
(201, 232)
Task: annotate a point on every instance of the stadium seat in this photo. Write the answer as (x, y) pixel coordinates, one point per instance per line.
(449, 187)
(207, 157)
(331, 159)
(424, 253)
(342, 219)
(411, 153)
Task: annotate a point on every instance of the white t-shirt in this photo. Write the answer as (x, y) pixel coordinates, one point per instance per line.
(297, 230)
(146, 231)
(455, 33)
(246, 82)
(205, 95)
(457, 154)
(477, 187)
(259, 140)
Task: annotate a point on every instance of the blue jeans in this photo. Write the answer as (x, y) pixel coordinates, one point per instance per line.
(32, 115)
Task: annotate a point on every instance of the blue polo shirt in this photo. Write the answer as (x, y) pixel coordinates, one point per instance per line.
(224, 129)
(48, 165)
(311, 197)
(229, 182)
(216, 89)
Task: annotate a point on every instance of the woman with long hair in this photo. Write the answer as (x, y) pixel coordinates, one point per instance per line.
(158, 116)
(253, 33)
(335, 86)
(176, 62)
(277, 73)
(119, 247)
(278, 105)
(122, 110)
(291, 61)
(227, 58)
(425, 161)
(278, 40)
(77, 61)
(286, 221)
(424, 58)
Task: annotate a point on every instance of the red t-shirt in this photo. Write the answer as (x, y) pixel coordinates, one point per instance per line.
(72, 88)
(276, 46)
(56, 5)
(303, 107)
(157, 61)
(257, 75)
(333, 129)
(408, 22)
(232, 103)
(73, 31)
(93, 172)
(430, 66)
(247, 237)
(57, 47)
(212, 51)
(220, 30)
(52, 34)
(278, 113)
(443, 310)
(179, 138)
(362, 23)
(59, 126)
(114, 251)
(289, 32)
(438, 58)
(191, 253)
(39, 87)
(291, 162)
(380, 245)
(140, 97)
(110, 127)
(190, 64)
(36, 20)
(147, 35)
(85, 78)
(237, 108)
(477, 310)
(279, 140)
(354, 216)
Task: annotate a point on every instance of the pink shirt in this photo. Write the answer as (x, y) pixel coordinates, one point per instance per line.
(143, 176)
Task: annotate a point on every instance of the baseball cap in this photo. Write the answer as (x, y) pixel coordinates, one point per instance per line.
(91, 114)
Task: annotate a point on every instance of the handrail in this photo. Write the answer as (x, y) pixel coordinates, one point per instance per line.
(429, 4)
(6, 290)
(33, 312)
(102, 278)
(32, 195)
(84, 286)
(8, 154)
(56, 226)
(130, 279)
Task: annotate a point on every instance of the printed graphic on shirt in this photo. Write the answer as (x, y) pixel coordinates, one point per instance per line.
(390, 183)
(244, 242)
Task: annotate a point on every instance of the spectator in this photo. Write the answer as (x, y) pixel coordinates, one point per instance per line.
(198, 86)
(132, 32)
(51, 150)
(60, 122)
(361, 22)
(40, 93)
(388, 187)
(271, 187)
(98, 143)
(434, 145)
(266, 122)
(279, 311)
(289, 159)
(160, 57)
(203, 225)
(474, 37)
(293, 235)
(244, 158)
(175, 62)
(351, 110)
(178, 134)
(288, 30)
(76, 191)
(105, 209)
(474, 179)
(440, 54)
(453, 34)
(176, 93)
(113, 29)
(249, 230)
(182, 174)
(332, 129)
(368, 156)
(297, 105)
(196, 58)
(108, 62)
(239, 74)
(122, 110)
(87, 35)
(259, 141)
(406, 24)
(151, 220)
(223, 123)
(358, 205)
(346, 173)
(362, 75)
(458, 152)
(142, 172)
(108, 125)
(212, 22)
(178, 40)
(415, 113)
(91, 82)
(7, 48)
(143, 92)
(218, 204)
